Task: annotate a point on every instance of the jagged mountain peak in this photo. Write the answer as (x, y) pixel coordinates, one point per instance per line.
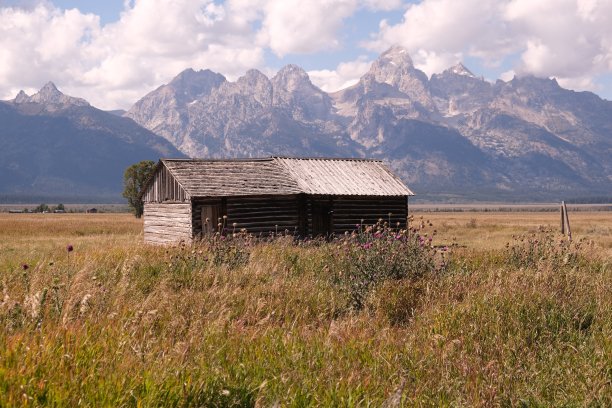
(394, 66)
(21, 97)
(532, 80)
(49, 87)
(190, 75)
(460, 69)
(289, 73)
(396, 55)
(190, 85)
(253, 75)
(291, 78)
(50, 95)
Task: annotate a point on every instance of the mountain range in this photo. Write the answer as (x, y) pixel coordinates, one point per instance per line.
(53, 146)
(453, 136)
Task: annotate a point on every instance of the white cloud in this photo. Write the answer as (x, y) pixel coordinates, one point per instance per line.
(113, 65)
(568, 39)
(345, 75)
(153, 40)
(296, 26)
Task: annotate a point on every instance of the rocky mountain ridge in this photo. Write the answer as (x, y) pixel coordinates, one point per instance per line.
(453, 134)
(52, 144)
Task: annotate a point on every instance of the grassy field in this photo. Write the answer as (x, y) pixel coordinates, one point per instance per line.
(497, 311)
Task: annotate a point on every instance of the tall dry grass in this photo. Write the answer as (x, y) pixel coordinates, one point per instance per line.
(239, 323)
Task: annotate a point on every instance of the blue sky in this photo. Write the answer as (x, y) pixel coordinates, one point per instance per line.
(112, 52)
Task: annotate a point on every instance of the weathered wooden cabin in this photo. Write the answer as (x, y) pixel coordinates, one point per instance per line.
(188, 198)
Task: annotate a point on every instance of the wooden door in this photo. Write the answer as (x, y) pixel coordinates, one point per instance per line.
(210, 218)
(321, 219)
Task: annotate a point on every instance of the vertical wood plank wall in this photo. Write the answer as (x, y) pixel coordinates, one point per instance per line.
(167, 223)
(164, 188)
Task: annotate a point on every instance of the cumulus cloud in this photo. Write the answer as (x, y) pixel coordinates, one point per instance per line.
(345, 75)
(296, 26)
(568, 39)
(153, 40)
(115, 64)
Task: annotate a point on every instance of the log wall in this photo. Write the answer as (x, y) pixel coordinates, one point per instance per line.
(258, 214)
(349, 211)
(164, 188)
(167, 223)
(296, 213)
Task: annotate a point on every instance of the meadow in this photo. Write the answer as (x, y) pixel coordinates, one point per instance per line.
(497, 309)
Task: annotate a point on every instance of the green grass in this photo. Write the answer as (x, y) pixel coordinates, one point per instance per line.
(119, 323)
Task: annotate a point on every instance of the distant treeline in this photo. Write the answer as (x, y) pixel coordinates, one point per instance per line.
(590, 200)
(37, 199)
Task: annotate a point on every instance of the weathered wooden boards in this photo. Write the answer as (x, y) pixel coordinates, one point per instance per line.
(565, 224)
(164, 187)
(305, 197)
(167, 222)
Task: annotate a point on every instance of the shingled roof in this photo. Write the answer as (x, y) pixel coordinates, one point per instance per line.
(283, 175)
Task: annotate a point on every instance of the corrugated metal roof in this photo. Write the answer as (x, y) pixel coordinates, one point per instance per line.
(282, 175)
(343, 177)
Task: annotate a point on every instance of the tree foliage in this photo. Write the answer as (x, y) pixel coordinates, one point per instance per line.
(134, 180)
(42, 208)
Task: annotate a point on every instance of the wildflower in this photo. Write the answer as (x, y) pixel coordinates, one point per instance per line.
(25, 267)
(69, 248)
(367, 245)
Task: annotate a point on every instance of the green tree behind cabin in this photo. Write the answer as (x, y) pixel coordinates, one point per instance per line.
(134, 180)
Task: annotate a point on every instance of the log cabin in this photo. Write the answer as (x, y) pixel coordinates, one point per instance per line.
(185, 199)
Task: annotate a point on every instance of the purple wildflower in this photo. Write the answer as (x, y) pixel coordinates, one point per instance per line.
(367, 245)
(25, 267)
(69, 248)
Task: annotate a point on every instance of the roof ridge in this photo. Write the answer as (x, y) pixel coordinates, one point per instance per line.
(270, 158)
(328, 158)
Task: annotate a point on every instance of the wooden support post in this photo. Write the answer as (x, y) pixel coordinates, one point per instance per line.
(569, 230)
(562, 217)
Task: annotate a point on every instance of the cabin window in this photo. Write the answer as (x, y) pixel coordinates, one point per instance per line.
(210, 215)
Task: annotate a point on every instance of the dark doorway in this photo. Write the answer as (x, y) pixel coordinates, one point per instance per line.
(210, 217)
(322, 219)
